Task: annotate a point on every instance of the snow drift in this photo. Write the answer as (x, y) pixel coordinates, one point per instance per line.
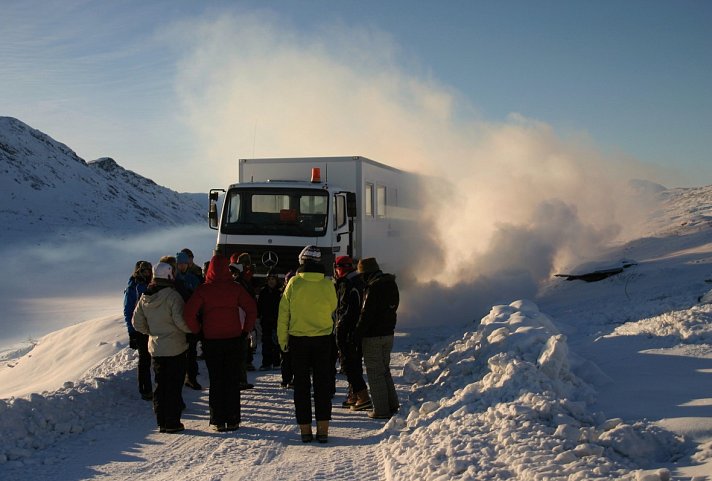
(502, 403)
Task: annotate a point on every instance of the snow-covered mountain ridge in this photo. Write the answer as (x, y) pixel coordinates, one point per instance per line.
(682, 211)
(46, 188)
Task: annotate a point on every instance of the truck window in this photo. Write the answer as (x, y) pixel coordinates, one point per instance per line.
(381, 201)
(269, 203)
(232, 209)
(339, 211)
(368, 199)
(289, 212)
(311, 204)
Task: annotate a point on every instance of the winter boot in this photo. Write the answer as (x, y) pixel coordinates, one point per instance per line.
(363, 402)
(174, 428)
(350, 399)
(322, 431)
(193, 384)
(306, 432)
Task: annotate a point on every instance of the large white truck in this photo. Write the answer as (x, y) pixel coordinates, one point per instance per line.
(344, 205)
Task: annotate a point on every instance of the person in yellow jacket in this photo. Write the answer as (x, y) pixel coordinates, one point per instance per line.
(304, 329)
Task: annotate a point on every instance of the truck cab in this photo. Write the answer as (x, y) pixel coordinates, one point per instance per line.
(273, 221)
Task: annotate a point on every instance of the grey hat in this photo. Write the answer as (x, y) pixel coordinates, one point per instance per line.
(310, 253)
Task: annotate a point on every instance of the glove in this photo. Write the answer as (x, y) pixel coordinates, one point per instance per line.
(133, 342)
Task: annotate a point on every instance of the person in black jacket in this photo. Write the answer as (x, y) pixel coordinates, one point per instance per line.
(268, 312)
(349, 292)
(375, 328)
(236, 272)
(286, 366)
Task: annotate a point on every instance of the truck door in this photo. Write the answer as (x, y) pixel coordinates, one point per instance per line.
(343, 226)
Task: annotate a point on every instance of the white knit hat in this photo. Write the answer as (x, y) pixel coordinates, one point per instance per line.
(163, 270)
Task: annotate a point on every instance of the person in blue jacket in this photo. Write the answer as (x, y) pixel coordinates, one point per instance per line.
(137, 285)
(187, 282)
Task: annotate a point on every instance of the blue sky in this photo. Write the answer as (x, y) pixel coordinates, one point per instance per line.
(178, 90)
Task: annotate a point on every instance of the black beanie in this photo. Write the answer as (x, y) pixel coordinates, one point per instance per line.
(368, 265)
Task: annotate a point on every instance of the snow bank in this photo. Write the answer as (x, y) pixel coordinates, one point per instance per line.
(63, 356)
(30, 424)
(687, 326)
(502, 403)
(72, 380)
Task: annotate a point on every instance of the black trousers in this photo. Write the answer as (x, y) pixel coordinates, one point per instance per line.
(333, 359)
(286, 368)
(192, 356)
(312, 366)
(144, 364)
(167, 398)
(352, 362)
(270, 347)
(242, 361)
(223, 359)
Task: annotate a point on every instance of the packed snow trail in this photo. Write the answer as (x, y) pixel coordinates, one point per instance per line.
(267, 445)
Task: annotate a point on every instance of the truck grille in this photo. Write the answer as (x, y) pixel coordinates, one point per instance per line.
(281, 259)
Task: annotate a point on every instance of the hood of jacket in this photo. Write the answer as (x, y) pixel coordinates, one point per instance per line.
(311, 276)
(218, 271)
(380, 277)
(155, 297)
(134, 282)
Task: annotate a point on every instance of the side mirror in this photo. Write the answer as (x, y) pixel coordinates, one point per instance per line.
(213, 197)
(213, 215)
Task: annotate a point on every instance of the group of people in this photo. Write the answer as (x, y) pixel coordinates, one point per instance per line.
(154, 300)
(306, 325)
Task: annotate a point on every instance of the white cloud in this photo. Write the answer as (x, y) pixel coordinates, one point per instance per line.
(516, 196)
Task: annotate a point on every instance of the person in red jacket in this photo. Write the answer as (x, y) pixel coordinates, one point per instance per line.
(219, 301)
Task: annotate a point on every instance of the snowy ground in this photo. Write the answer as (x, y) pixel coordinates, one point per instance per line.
(605, 380)
(98, 427)
(497, 402)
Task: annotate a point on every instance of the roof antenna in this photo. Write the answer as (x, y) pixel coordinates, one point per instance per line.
(254, 138)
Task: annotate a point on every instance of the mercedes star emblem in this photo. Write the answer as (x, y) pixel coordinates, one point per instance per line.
(270, 259)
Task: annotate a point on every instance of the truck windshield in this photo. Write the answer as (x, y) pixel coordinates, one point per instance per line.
(290, 212)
